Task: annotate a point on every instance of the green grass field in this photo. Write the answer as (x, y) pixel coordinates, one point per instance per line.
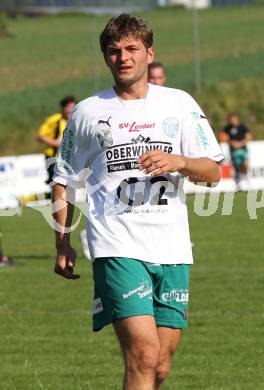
(51, 56)
(46, 340)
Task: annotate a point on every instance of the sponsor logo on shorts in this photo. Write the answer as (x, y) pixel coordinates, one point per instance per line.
(97, 306)
(181, 296)
(148, 291)
(142, 290)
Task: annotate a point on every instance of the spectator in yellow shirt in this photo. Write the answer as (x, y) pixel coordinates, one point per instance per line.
(51, 131)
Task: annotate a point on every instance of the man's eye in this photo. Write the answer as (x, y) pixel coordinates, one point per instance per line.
(112, 51)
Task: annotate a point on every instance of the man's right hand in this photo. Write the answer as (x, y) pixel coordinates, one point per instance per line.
(65, 262)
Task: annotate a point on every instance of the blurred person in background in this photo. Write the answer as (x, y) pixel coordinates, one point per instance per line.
(51, 131)
(237, 135)
(157, 74)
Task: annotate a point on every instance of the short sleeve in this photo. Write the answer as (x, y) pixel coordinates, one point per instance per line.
(71, 165)
(198, 139)
(246, 129)
(226, 130)
(46, 129)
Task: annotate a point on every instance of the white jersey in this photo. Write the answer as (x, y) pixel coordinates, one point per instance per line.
(131, 214)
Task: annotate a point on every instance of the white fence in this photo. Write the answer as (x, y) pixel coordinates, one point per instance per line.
(25, 175)
(21, 176)
(253, 181)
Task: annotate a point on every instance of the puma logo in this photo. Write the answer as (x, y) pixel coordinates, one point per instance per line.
(101, 121)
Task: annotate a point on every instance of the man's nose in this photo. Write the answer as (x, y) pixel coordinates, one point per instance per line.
(123, 55)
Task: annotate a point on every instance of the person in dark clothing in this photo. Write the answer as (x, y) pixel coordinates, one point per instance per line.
(238, 136)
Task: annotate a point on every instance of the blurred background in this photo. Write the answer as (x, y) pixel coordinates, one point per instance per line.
(50, 49)
(213, 49)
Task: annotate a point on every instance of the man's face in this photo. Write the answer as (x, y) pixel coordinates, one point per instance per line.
(234, 120)
(157, 76)
(67, 110)
(128, 60)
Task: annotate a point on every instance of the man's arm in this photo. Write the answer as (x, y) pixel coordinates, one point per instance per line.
(54, 143)
(243, 142)
(63, 213)
(202, 169)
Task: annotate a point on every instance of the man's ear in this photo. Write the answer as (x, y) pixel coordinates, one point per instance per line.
(150, 55)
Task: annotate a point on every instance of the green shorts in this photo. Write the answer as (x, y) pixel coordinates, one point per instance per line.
(238, 157)
(126, 287)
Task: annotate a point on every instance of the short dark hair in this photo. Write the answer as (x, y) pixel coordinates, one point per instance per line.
(67, 100)
(155, 65)
(125, 26)
(232, 114)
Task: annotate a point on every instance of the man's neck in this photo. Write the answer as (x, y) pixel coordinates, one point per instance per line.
(132, 92)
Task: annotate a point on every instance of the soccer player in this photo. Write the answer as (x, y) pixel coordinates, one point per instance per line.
(139, 141)
(156, 74)
(51, 131)
(237, 136)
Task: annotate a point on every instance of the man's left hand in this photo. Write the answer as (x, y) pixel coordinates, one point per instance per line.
(158, 162)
